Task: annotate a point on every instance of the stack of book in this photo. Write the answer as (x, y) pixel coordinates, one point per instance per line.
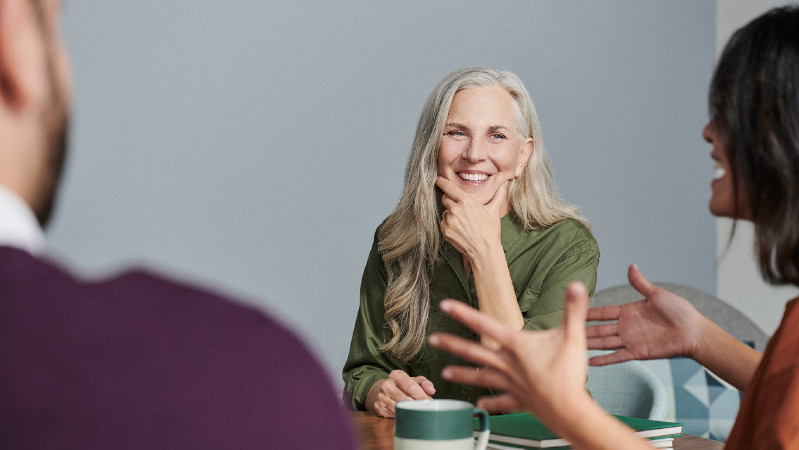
(523, 431)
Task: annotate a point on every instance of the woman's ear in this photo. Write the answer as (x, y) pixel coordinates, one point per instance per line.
(528, 147)
(19, 55)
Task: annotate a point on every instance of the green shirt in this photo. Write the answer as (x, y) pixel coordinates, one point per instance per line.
(541, 264)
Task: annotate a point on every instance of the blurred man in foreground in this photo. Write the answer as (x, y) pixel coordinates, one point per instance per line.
(134, 361)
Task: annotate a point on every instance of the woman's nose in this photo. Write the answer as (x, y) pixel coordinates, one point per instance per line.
(475, 151)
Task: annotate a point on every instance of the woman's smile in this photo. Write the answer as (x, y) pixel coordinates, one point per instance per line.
(481, 148)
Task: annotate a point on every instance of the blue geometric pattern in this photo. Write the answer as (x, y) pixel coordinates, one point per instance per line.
(705, 404)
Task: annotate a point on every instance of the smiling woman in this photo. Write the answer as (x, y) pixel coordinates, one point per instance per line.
(479, 220)
(481, 148)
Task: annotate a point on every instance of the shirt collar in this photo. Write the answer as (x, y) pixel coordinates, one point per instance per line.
(512, 230)
(19, 227)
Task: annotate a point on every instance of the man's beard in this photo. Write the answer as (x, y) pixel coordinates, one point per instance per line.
(57, 126)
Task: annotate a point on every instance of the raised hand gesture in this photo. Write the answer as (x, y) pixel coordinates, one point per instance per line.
(537, 370)
(549, 382)
(661, 325)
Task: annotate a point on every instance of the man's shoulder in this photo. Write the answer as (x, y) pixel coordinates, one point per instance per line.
(42, 293)
(138, 298)
(181, 358)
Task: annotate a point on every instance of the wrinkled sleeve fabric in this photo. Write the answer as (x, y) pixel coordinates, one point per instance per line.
(577, 259)
(366, 364)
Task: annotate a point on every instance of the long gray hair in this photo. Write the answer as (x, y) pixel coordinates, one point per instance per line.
(410, 238)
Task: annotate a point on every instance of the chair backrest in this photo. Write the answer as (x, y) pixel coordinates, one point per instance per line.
(705, 404)
(628, 389)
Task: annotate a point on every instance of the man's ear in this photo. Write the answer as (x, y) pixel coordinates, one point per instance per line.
(16, 51)
(528, 147)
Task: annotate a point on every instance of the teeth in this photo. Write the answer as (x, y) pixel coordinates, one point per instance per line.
(718, 170)
(479, 177)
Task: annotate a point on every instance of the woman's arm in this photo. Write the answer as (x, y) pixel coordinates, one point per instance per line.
(572, 255)
(475, 231)
(550, 383)
(726, 356)
(373, 380)
(366, 364)
(664, 325)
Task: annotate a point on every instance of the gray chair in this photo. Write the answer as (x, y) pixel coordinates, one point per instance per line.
(628, 389)
(705, 404)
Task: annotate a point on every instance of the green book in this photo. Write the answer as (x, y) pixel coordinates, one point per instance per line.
(527, 431)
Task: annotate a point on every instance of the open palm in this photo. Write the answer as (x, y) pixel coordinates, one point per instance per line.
(662, 325)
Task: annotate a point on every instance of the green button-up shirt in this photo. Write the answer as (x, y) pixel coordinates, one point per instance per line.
(541, 264)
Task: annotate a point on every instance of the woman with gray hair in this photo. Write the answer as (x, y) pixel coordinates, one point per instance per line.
(479, 220)
(753, 132)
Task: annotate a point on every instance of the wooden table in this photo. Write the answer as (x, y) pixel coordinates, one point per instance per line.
(377, 433)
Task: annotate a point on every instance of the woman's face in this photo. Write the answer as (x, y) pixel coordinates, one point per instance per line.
(481, 147)
(721, 200)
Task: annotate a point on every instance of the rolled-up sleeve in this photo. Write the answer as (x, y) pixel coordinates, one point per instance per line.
(578, 264)
(570, 253)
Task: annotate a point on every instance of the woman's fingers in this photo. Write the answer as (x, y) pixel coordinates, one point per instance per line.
(602, 331)
(604, 343)
(447, 202)
(409, 388)
(482, 324)
(467, 349)
(639, 282)
(499, 202)
(500, 404)
(488, 377)
(602, 313)
(611, 358)
(426, 385)
(576, 307)
(400, 386)
(451, 189)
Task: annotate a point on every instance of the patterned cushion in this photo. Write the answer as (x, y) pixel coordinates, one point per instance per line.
(705, 404)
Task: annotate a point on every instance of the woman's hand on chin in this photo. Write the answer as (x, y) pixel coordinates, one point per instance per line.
(468, 225)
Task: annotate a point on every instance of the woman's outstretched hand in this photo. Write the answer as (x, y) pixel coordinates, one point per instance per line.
(662, 325)
(540, 371)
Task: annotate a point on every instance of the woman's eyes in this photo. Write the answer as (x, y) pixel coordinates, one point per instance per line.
(459, 133)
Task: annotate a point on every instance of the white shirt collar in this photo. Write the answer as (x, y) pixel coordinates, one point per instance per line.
(18, 225)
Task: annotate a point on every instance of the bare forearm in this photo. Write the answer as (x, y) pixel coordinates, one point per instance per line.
(495, 293)
(726, 356)
(587, 426)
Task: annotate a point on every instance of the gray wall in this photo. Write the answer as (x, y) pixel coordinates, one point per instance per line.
(254, 146)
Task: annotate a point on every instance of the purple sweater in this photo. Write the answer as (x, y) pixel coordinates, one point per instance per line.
(137, 361)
